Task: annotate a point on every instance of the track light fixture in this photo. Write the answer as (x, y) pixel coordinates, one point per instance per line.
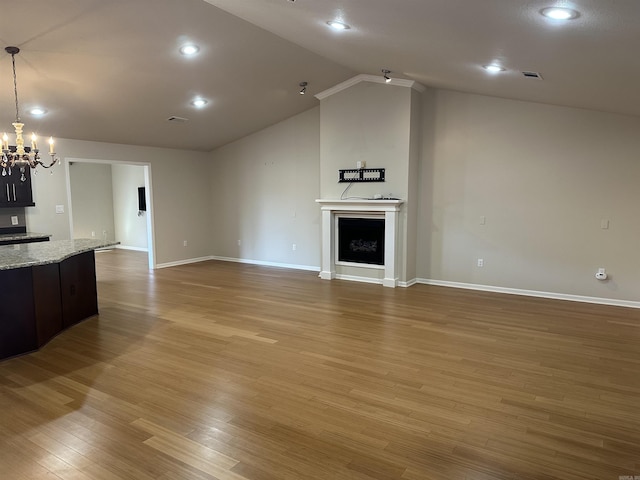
(385, 74)
(303, 88)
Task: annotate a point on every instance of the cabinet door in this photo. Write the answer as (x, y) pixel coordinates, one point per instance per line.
(78, 288)
(17, 315)
(21, 189)
(47, 301)
(14, 191)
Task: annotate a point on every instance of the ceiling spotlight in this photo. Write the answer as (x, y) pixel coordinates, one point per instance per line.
(189, 49)
(37, 111)
(493, 68)
(199, 102)
(303, 88)
(559, 13)
(385, 74)
(338, 25)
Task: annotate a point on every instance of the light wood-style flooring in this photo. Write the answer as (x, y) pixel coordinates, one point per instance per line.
(227, 371)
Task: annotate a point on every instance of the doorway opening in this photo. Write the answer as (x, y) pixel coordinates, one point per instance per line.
(104, 202)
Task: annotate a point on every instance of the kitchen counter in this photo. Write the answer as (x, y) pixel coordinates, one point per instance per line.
(47, 287)
(43, 253)
(11, 238)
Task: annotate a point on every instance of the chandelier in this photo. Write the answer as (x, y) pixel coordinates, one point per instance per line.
(18, 155)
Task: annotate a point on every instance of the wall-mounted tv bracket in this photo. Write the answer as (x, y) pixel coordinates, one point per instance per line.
(362, 175)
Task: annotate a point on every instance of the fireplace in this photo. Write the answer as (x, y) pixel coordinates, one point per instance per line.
(363, 265)
(361, 240)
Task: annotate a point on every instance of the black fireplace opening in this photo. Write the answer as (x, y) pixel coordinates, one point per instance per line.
(361, 240)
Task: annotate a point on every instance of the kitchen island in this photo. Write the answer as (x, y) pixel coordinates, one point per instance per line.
(45, 288)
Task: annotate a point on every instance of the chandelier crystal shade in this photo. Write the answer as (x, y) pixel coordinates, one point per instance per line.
(19, 156)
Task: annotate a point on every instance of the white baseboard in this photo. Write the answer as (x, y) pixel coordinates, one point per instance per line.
(531, 293)
(424, 281)
(310, 268)
(137, 249)
(183, 262)
(354, 278)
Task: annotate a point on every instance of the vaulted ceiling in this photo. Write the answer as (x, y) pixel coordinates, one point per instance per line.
(110, 70)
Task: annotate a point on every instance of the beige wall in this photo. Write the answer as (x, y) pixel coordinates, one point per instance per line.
(130, 224)
(92, 200)
(370, 122)
(180, 188)
(7, 213)
(379, 124)
(544, 177)
(263, 191)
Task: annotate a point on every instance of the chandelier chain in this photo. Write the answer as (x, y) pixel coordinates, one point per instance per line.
(15, 86)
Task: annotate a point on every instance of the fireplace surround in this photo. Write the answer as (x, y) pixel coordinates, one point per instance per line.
(386, 210)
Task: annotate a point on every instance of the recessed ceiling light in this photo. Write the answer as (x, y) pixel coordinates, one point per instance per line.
(38, 111)
(189, 49)
(559, 13)
(338, 25)
(493, 68)
(199, 102)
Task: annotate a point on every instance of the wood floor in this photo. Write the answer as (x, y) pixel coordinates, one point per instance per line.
(227, 371)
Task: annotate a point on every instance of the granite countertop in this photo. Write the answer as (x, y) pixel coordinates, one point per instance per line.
(22, 236)
(42, 253)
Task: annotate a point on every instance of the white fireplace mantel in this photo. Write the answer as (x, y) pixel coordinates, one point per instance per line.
(389, 208)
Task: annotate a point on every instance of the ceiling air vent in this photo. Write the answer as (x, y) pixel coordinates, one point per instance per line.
(175, 119)
(532, 75)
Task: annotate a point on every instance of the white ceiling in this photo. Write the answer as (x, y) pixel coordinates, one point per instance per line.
(110, 70)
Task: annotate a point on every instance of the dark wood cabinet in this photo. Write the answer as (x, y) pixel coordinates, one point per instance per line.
(37, 303)
(15, 189)
(17, 314)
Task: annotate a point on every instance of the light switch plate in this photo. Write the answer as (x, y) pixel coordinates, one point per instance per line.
(59, 208)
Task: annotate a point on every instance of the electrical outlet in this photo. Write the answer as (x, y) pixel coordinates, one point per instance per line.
(59, 209)
(293, 247)
(480, 262)
(14, 220)
(483, 219)
(239, 242)
(184, 243)
(93, 234)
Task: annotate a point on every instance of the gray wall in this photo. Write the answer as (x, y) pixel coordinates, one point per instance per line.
(92, 200)
(379, 124)
(370, 122)
(130, 224)
(544, 177)
(7, 213)
(263, 192)
(181, 191)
